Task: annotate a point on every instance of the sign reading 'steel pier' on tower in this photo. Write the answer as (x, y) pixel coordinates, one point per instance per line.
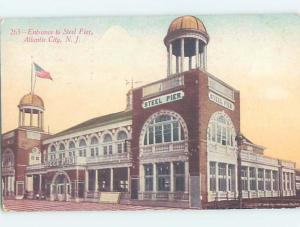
(172, 97)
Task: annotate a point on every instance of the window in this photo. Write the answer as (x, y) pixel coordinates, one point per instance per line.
(52, 152)
(252, 175)
(71, 148)
(94, 146)
(288, 181)
(268, 180)
(163, 129)
(34, 156)
(231, 178)
(121, 138)
(275, 180)
(212, 176)
(82, 148)
(222, 177)
(158, 134)
(61, 151)
(284, 181)
(179, 176)
(212, 131)
(244, 176)
(221, 129)
(8, 158)
(260, 179)
(163, 176)
(148, 177)
(107, 144)
(292, 182)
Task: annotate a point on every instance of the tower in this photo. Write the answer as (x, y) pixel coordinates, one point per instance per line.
(31, 112)
(186, 40)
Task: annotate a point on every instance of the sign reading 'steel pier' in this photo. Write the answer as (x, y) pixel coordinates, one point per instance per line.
(172, 97)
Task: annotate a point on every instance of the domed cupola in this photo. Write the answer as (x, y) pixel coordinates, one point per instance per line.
(187, 38)
(31, 111)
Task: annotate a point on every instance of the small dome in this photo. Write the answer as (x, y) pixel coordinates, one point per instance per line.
(32, 100)
(187, 23)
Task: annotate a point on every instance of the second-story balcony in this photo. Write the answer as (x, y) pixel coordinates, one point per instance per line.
(36, 167)
(71, 161)
(174, 150)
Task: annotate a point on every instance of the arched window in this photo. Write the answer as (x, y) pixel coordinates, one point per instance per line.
(52, 152)
(94, 146)
(82, 148)
(61, 151)
(107, 144)
(164, 129)
(71, 149)
(121, 141)
(53, 149)
(34, 156)
(221, 130)
(8, 158)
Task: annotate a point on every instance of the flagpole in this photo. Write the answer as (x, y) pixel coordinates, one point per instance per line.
(31, 74)
(34, 81)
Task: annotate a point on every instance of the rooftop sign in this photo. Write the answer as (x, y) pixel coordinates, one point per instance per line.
(172, 97)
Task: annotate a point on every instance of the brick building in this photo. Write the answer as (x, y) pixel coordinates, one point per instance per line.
(175, 143)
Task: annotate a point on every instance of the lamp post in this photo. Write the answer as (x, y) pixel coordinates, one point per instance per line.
(239, 139)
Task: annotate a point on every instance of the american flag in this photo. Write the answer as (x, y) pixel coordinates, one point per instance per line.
(40, 72)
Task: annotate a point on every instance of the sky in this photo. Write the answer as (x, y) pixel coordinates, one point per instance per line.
(256, 54)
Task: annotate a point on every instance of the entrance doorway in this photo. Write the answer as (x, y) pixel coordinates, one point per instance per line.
(61, 188)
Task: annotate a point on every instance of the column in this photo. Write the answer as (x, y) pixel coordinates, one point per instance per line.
(86, 183)
(226, 170)
(285, 180)
(182, 55)
(20, 118)
(190, 62)
(129, 179)
(154, 178)
(177, 64)
(271, 182)
(6, 185)
(42, 120)
(172, 177)
(248, 181)
(142, 178)
(264, 180)
(170, 59)
(39, 119)
(96, 180)
(217, 179)
(111, 179)
(40, 183)
(205, 57)
(186, 176)
(197, 52)
(23, 117)
(290, 184)
(201, 58)
(31, 115)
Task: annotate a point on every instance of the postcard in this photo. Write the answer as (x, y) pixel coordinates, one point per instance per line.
(150, 112)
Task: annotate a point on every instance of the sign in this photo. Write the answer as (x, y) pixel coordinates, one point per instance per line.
(110, 197)
(33, 135)
(221, 101)
(220, 89)
(172, 97)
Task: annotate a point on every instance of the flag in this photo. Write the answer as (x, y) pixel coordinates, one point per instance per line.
(40, 72)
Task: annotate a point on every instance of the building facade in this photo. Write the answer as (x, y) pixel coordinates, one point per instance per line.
(175, 144)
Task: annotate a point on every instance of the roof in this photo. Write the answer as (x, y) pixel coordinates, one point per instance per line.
(31, 99)
(96, 122)
(186, 23)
